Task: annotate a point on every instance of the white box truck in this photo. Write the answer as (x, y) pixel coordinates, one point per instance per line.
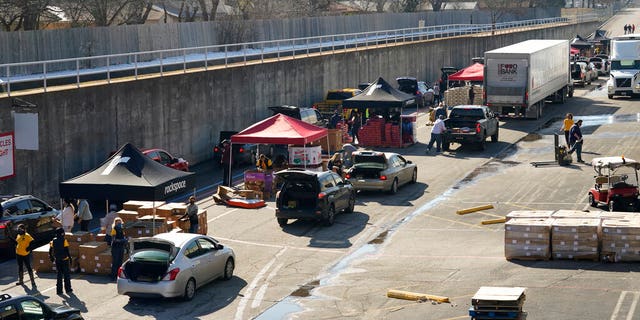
(624, 73)
(520, 77)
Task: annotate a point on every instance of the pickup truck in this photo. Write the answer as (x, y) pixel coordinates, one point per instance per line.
(333, 101)
(470, 124)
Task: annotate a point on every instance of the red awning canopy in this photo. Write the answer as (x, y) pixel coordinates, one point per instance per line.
(280, 129)
(574, 51)
(474, 72)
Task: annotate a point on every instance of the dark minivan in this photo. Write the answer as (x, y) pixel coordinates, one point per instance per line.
(312, 195)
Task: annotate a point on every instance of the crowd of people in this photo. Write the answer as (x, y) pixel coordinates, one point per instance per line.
(629, 28)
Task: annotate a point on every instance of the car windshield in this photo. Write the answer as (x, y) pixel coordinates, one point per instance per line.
(151, 256)
(466, 113)
(625, 64)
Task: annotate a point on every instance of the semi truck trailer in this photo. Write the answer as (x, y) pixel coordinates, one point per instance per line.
(624, 72)
(519, 78)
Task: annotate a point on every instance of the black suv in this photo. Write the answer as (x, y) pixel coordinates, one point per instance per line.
(34, 213)
(28, 307)
(312, 195)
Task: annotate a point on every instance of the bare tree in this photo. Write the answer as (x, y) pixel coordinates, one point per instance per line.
(437, 5)
(25, 14)
(498, 8)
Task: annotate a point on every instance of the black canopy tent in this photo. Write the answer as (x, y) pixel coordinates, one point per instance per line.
(128, 175)
(379, 94)
(580, 43)
(381, 99)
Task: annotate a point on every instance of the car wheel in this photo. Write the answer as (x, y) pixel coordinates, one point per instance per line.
(494, 138)
(190, 290)
(282, 221)
(331, 216)
(394, 186)
(592, 200)
(414, 176)
(228, 269)
(352, 204)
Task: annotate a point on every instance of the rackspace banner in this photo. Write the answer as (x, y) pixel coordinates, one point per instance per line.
(7, 159)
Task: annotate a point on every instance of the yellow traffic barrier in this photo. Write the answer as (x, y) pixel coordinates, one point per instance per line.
(494, 221)
(406, 295)
(474, 209)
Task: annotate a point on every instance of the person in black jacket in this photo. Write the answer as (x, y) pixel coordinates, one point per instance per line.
(118, 246)
(59, 252)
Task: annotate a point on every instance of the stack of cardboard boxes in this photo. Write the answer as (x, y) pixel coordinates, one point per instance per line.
(572, 234)
(460, 95)
(91, 254)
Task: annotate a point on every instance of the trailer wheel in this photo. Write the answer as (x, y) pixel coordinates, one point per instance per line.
(570, 92)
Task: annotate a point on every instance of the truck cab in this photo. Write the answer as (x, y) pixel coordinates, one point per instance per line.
(624, 72)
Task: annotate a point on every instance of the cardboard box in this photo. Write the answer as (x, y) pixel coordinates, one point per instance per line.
(173, 208)
(149, 208)
(91, 249)
(41, 262)
(128, 216)
(133, 205)
(80, 236)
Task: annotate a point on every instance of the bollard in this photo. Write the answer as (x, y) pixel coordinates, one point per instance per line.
(406, 295)
(474, 209)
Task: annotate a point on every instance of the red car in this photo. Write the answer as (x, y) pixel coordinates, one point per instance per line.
(167, 159)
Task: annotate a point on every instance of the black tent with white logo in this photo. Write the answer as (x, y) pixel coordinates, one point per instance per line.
(128, 175)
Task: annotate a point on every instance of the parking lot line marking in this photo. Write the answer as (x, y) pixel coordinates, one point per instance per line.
(634, 304)
(222, 215)
(277, 246)
(263, 289)
(247, 295)
(454, 221)
(616, 310)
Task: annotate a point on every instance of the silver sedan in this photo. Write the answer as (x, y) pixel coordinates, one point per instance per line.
(174, 265)
(382, 171)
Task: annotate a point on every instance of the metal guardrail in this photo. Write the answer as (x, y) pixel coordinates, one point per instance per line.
(75, 71)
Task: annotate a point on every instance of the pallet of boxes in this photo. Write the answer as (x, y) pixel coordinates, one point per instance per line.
(460, 95)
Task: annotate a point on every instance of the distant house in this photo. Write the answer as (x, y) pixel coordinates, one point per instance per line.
(169, 12)
(471, 5)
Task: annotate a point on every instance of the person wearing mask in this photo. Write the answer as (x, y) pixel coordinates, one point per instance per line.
(65, 217)
(118, 246)
(566, 127)
(347, 150)
(84, 214)
(107, 222)
(436, 134)
(226, 163)
(335, 163)
(335, 119)
(436, 92)
(356, 123)
(23, 254)
(575, 137)
(440, 111)
(264, 163)
(192, 214)
(59, 253)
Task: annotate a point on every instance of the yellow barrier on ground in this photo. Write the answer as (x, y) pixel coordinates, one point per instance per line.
(406, 295)
(494, 221)
(474, 209)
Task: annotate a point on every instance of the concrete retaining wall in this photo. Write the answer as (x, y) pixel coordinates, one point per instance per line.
(184, 113)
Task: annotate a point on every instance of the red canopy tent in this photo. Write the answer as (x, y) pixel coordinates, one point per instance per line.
(474, 72)
(573, 51)
(280, 129)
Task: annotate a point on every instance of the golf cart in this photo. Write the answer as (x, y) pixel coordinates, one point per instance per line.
(612, 187)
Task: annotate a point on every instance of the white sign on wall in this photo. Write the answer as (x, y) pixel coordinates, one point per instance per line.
(7, 159)
(26, 131)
